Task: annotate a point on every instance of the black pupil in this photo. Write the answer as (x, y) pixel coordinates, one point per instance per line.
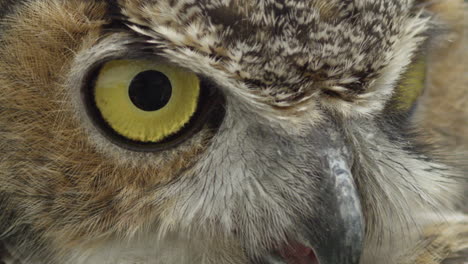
(150, 90)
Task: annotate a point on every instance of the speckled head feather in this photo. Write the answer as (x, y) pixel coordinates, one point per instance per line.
(285, 53)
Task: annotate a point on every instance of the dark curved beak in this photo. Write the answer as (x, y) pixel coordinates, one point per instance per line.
(337, 233)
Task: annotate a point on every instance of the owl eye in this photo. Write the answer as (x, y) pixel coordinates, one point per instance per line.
(411, 85)
(140, 103)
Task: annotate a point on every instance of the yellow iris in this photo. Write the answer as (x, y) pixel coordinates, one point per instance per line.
(112, 95)
(411, 85)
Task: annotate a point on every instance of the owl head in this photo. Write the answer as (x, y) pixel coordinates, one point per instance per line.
(216, 131)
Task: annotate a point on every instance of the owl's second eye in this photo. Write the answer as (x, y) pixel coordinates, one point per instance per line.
(143, 102)
(411, 85)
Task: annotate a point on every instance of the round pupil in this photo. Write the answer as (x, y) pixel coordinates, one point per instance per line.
(150, 90)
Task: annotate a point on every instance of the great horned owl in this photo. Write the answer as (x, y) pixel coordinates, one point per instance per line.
(233, 131)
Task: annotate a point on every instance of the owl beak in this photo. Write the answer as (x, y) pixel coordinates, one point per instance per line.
(336, 234)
